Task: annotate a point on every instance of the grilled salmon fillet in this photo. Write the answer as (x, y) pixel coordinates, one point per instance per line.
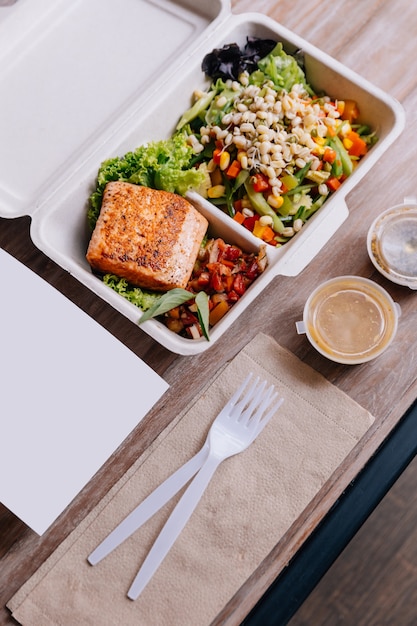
(147, 236)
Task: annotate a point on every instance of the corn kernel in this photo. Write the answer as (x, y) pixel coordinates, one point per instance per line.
(224, 160)
(217, 191)
(275, 202)
(348, 143)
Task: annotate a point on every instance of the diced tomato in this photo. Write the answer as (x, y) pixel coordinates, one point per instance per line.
(228, 283)
(260, 182)
(203, 280)
(232, 296)
(226, 263)
(216, 282)
(252, 271)
(224, 272)
(237, 205)
(231, 253)
(239, 285)
(219, 268)
(188, 318)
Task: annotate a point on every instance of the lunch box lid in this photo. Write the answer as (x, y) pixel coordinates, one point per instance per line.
(54, 118)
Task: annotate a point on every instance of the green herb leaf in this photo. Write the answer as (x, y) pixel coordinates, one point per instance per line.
(202, 303)
(166, 302)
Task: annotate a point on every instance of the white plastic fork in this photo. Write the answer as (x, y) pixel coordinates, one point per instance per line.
(234, 429)
(163, 493)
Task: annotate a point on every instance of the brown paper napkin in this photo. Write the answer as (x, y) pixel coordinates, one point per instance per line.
(250, 503)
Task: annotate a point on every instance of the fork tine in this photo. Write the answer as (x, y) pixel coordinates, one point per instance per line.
(234, 399)
(263, 422)
(254, 414)
(253, 405)
(246, 398)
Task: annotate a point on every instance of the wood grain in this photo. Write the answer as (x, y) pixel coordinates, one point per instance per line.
(372, 38)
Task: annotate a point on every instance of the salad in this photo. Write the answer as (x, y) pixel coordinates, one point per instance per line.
(260, 145)
(274, 149)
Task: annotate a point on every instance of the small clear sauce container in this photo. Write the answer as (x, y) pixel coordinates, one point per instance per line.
(392, 243)
(350, 319)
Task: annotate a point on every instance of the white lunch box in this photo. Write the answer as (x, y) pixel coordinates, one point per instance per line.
(85, 81)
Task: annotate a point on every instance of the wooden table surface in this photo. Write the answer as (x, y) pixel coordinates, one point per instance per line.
(378, 40)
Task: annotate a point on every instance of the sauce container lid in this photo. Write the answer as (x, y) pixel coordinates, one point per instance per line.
(392, 243)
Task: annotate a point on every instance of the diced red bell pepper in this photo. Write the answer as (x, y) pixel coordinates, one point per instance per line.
(216, 155)
(249, 222)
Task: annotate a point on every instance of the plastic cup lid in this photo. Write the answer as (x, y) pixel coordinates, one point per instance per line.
(392, 243)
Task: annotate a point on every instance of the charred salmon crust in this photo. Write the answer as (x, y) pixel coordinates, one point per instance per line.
(147, 236)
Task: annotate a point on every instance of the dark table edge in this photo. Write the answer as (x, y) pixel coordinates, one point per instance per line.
(350, 511)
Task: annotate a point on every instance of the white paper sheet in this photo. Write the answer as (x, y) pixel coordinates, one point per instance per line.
(70, 393)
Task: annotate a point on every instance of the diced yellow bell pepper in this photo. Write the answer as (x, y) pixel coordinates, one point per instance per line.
(258, 229)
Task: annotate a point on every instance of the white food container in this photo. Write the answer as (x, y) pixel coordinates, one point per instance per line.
(85, 81)
(392, 243)
(350, 319)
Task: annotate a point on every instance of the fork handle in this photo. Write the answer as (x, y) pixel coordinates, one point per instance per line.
(174, 525)
(148, 507)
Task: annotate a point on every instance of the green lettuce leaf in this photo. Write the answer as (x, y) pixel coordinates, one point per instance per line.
(164, 164)
(282, 69)
(137, 296)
